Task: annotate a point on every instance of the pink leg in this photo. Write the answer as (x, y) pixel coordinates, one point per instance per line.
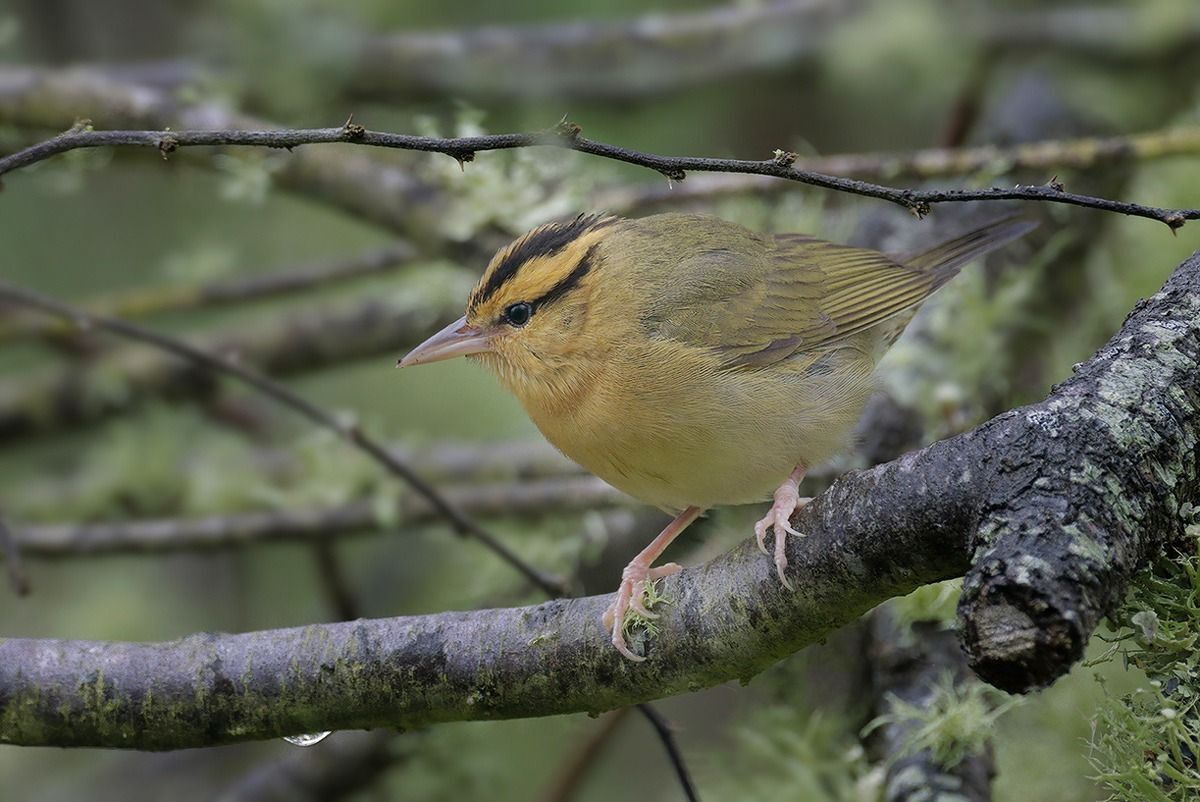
(629, 594)
(778, 518)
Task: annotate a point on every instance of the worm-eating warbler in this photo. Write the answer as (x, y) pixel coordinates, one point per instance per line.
(691, 362)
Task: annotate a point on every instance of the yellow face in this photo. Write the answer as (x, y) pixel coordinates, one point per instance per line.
(526, 317)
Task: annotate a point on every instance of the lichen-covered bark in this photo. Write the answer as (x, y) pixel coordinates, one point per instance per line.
(1056, 504)
(910, 664)
(1080, 489)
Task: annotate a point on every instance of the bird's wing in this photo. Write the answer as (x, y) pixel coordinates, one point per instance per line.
(794, 295)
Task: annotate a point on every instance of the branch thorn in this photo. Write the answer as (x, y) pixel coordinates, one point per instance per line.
(567, 129)
(353, 130)
(167, 145)
(784, 158)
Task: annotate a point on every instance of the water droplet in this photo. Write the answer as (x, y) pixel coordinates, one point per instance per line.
(308, 739)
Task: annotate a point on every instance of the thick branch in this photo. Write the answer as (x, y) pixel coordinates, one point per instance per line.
(1060, 502)
(566, 135)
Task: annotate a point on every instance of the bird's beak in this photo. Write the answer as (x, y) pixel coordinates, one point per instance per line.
(458, 339)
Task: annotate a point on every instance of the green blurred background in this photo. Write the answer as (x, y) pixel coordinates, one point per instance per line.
(850, 77)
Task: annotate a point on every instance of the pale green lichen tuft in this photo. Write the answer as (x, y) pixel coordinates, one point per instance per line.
(637, 627)
(1145, 744)
(957, 722)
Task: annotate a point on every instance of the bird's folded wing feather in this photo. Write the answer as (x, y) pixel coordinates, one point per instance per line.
(795, 295)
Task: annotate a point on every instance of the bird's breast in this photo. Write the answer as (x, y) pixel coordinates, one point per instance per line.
(670, 428)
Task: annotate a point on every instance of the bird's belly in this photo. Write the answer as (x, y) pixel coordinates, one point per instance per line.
(710, 443)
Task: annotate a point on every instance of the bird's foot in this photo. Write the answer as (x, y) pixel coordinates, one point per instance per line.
(778, 519)
(633, 587)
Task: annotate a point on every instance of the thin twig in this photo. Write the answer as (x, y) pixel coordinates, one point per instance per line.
(316, 524)
(663, 728)
(285, 469)
(1084, 153)
(142, 302)
(294, 342)
(10, 549)
(348, 430)
(341, 598)
(566, 135)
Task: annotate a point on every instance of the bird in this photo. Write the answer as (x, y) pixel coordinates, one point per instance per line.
(691, 362)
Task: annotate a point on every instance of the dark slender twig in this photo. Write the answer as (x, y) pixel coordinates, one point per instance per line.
(348, 430)
(290, 343)
(663, 728)
(10, 549)
(567, 135)
(1049, 155)
(342, 601)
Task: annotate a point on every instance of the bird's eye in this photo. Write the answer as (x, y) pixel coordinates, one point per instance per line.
(518, 314)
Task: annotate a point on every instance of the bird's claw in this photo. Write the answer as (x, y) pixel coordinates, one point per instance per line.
(778, 519)
(629, 597)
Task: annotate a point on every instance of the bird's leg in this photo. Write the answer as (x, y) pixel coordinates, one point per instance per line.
(778, 518)
(633, 579)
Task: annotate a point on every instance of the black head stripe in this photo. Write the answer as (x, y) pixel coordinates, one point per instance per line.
(569, 282)
(545, 241)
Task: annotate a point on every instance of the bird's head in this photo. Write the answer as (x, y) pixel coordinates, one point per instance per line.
(526, 318)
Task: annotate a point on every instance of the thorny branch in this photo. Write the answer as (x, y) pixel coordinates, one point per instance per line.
(1085, 153)
(567, 135)
(1049, 509)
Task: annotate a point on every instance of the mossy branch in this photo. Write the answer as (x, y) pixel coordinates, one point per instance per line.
(1049, 509)
(283, 345)
(146, 301)
(530, 497)
(934, 721)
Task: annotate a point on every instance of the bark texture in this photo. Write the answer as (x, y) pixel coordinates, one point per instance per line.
(1049, 509)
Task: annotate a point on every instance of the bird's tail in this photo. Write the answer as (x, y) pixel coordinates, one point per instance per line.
(945, 260)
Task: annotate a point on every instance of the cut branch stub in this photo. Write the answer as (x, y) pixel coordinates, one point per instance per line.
(1088, 485)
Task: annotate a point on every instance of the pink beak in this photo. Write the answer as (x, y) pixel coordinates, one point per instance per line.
(457, 339)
